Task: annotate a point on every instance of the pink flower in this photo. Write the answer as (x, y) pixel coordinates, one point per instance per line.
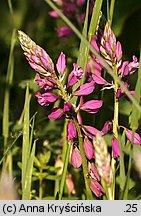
(134, 65)
(115, 148)
(71, 131)
(64, 31)
(85, 89)
(75, 75)
(98, 79)
(70, 184)
(55, 113)
(61, 63)
(54, 14)
(80, 2)
(118, 51)
(93, 172)
(76, 159)
(88, 148)
(90, 131)
(46, 83)
(68, 108)
(46, 99)
(92, 106)
(106, 128)
(96, 188)
(137, 138)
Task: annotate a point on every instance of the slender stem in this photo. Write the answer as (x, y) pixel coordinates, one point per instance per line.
(111, 11)
(115, 125)
(62, 183)
(84, 160)
(40, 186)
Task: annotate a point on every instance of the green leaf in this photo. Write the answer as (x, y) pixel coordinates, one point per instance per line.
(28, 176)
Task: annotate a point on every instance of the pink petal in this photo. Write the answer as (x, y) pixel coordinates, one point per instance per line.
(115, 148)
(118, 51)
(64, 31)
(137, 138)
(96, 188)
(85, 89)
(92, 105)
(54, 14)
(71, 130)
(90, 131)
(98, 79)
(106, 128)
(76, 159)
(88, 148)
(61, 63)
(55, 113)
(93, 172)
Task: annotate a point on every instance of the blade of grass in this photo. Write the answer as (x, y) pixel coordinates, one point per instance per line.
(107, 67)
(9, 80)
(26, 141)
(28, 177)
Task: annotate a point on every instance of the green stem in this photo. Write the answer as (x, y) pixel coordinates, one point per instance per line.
(84, 160)
(110, 18)
(62, 183)
(115, 125)
(40, 186)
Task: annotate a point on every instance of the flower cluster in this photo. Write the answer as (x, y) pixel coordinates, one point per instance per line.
(72, 9)
(50, 79)
(57, 85)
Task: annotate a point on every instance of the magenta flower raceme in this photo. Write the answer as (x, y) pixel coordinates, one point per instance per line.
(115, 148)
(88, 148)
(76, 159)
(71, 130)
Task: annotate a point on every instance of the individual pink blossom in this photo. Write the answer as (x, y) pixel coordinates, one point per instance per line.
(68, 108)
(88, 148)
(90, 131)
(98, 79)
(134, 65)
(92, 106)
(115, 148)
(118, 51)
(54, 14)
(71, 131)
(96, 188)
(85, 89)
(76, 159)
(106, 128)
(64, 31)
(55, 113)
(137, 138)
(75, 75)
(93, 172)
(46, 99)
(46, 83)
(124, 69)
(70, 184)
(61, 63)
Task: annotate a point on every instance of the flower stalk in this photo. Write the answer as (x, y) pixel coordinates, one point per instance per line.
(84, 160)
